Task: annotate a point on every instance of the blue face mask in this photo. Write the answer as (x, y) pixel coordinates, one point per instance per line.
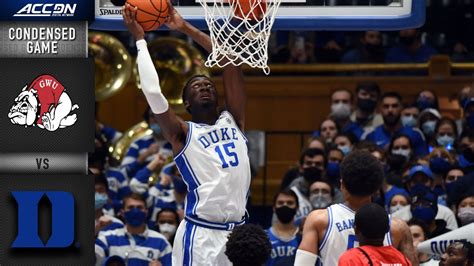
(345, 149)
(100, 200)
(439, 165)
(408, 121)
(450, 187)
(445, 140)
(156, 129)
(426, 214)
(135, 217)
(429, 127)
(332, 170)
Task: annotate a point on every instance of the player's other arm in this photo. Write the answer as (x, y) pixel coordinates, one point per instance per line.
(307, 252)
(174, 128)
(402, 240)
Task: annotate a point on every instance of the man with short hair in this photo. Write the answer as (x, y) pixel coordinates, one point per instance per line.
(283, 234)
(329, 232)
(392, 126)
(410, 48)
(369, 50)
(371, 223)
(367, 98)
(341, 109)
(135, 243)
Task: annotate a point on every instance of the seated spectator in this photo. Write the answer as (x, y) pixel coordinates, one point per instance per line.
(401, 146)
(391, 112)
(283, 234)
(371, 224)
(427, 121)
(453, 175)
(328, 130)
(440, 161)
(367, 97)
(462, 197)
(307, 158)
(345, 143)
(466, 151)
(103, 222)
(446, 134)
(427, 99)
(136, 243)
(420, 233)
(240, 253)
(335, 157)
(322, 194)
(410, 115)
(341, 109)
(167, 222)
(398, 201)
(409, 49)
(329, 46)
(421, 175)
(368, 50)
(458, 253)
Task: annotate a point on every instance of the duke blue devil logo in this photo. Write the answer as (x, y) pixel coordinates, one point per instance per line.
(62, 228)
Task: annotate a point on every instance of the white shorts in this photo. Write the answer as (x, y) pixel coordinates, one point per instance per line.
(196, 245)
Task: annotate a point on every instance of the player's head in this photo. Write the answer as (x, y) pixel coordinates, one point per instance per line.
(361, 173)
(371, 224)
(134, 210)
(248, 245)
(459, 253)
(199, 93)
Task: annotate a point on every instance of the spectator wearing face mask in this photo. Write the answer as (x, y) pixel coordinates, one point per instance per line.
(463, 97)
(345, 143)
(427, 99)
(420, 233)
(421, 176)
(335, 157)
(450, 179)
(391, 107)
(469, 114)
(135, 243)
(398, 201)
(458, 253)
(440, 161)
(466, 150)
(365, 114)
(401, 146)
(167, 221)
(312, 167)
(103, 222)
(341, 109)
(410, 115)
(368, 50)
(284, 234)
(322, 194)
(462, 197)
(427, 121)
(445, 134)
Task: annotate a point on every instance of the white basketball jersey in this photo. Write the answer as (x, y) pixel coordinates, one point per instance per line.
(215, 165)
(340, 235)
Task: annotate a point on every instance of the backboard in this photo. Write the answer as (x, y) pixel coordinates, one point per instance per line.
(300, 14)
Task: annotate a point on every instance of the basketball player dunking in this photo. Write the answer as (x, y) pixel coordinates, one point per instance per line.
(210, 151)
(330, 232)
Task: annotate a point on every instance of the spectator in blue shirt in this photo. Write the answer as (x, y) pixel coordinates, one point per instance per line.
(341, 109)
(410, 49)
(391, 112)
(135, 243)
(368, 50)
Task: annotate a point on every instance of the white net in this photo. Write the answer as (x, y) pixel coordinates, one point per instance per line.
(240, 30)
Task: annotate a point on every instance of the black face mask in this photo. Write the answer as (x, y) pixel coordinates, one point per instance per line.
(366, 105)
(407, 40)
(468, 154)
(391, 120)
(311, 174)
(373, 48)
(285, 214)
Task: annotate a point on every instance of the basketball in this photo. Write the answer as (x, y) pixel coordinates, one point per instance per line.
(151, 14)
(252, 9)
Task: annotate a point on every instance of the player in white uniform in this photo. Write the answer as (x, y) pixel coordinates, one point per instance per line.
(329, 232)
(210, 151)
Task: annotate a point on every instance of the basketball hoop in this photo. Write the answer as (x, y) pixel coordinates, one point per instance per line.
(240, 30)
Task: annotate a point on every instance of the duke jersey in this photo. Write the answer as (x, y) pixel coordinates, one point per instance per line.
(215, 166)
(282, 249)
(340, 235)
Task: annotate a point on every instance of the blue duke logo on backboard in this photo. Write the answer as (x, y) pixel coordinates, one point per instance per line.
(47, 10)
(62, 227)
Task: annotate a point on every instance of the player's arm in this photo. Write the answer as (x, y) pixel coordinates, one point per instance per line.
(235, 97)
(174, 128)
(307, 252)
(402, 240)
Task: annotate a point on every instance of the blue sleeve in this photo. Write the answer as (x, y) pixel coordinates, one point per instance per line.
(109, 132)
(123, 192)
(420, 146)
(103, 246)
(143, 175)
(166, 260)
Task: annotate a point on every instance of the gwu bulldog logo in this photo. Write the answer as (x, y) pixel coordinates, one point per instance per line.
(44, 103)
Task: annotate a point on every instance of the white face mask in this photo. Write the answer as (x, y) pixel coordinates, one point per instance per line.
(403, 152)
(340, 110)
(395, 208)
(466, 215)
(167, 229)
